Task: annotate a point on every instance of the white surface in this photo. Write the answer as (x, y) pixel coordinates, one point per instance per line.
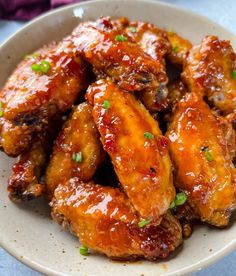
(33, 242)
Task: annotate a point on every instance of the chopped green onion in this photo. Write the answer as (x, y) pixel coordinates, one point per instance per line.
(180, 199)
(121, 38)
(234, 74)
(106, 104)
(83, 250)
(1, 109)
(77, 157)
(35, 67)
(144, 222)
(45, 66)
(175, 49)
(148, 135)
(209, 156)
(132, 29)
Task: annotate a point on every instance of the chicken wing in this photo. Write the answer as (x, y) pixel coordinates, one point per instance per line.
(77, 150)
(202, 154)
(179, 48)
(24, 183)
(138, 150)
(105, 221)
(154, 42)
(210, 70)
(42, 84)
(111, 54)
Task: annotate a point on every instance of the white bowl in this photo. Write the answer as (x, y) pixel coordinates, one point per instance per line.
(26, 230)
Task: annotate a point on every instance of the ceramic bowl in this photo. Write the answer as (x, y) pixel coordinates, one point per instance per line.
(26, 230)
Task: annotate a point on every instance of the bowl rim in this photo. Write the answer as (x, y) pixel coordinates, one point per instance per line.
(187, 269)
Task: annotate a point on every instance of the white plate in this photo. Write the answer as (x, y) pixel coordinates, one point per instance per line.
(26, 230)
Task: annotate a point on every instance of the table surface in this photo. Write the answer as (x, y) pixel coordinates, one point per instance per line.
(222, 12)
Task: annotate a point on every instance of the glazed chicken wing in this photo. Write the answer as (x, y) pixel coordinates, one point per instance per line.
(138, 150)
(105, 221)
(43, 84)
(202, 151)
(210, 71)
(77, 150)
(154, 42)
(111, 54)
(24, 183)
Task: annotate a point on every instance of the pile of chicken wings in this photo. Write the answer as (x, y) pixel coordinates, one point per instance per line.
(128, 131)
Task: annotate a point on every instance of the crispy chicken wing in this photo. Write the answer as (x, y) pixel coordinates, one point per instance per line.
(209, 70)
(202, 154)
(138, 150)
(111, 54)
(105, 221)
(42, 84)
(77, 150)
(180, 47)
(24, 183)
(154, 42)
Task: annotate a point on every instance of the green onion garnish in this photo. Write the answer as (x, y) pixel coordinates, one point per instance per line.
(175, 49)
(1, 109)
(209, 156)
(35, 67)
(144, 222)
(83, 250)
(132, 29)
(77, 157)
(45, 66)
(121, 38)
(234, 74)
(106, 104)
(148, 135)
(180, 199)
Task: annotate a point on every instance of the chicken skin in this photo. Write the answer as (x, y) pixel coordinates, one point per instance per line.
(179, 48)
(77, 150)
(43, 84)
(111, 54)
(154, 42)
(202, 154)
(137, 149)
(177, 90)
(210, 70)
(105, 221)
